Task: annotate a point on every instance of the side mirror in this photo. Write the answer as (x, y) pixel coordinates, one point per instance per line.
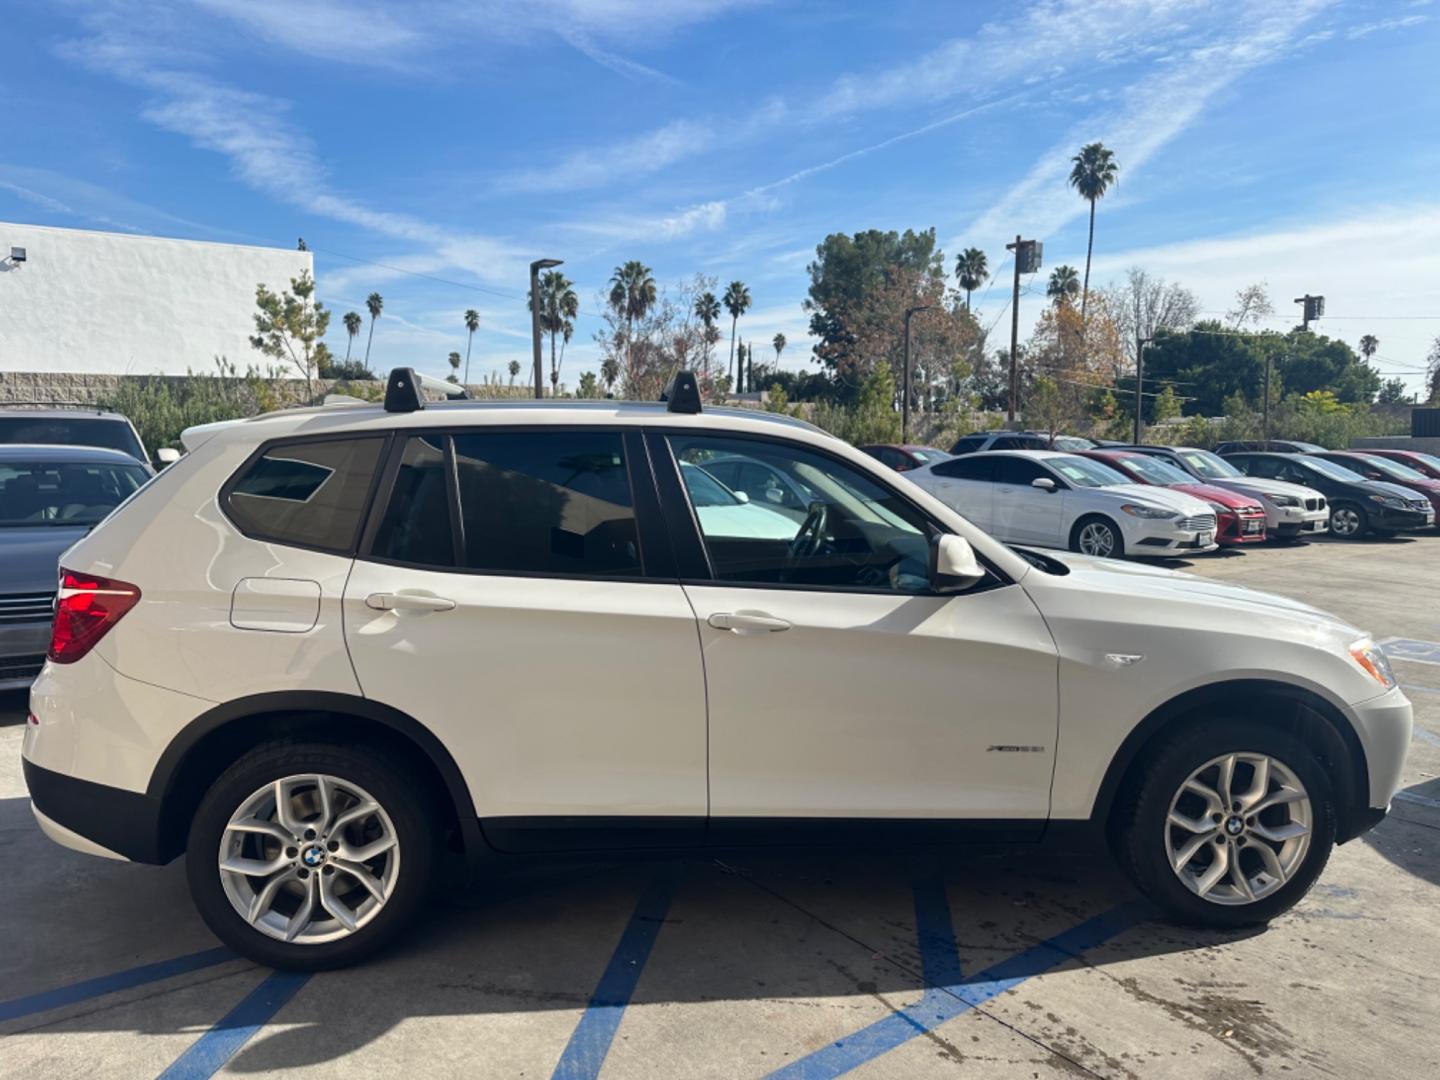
(742, 496)
(166, 455)
(1044, 483)
(774, 495)
(953, 566)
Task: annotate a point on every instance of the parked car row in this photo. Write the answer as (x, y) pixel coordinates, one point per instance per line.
(1119, 500)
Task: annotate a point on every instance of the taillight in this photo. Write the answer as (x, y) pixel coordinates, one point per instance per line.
(86, 608)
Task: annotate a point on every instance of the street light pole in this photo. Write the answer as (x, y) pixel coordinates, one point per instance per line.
(535, 268)
(905, 378)
(1140, 344)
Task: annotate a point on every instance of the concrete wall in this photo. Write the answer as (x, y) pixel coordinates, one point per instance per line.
(120, 304)
(1398, 442)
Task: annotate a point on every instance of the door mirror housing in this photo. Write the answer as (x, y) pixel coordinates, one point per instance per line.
(953, 566)
(742, 497)
(166, 455)
(1044, 483)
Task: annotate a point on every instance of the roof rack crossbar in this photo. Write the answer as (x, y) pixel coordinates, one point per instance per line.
(403, 390)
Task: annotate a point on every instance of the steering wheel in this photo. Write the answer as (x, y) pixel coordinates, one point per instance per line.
(811, 537)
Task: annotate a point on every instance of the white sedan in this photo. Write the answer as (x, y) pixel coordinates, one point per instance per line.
(1058, 500)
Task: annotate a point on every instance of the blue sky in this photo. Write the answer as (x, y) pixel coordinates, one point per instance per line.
(1295, 142)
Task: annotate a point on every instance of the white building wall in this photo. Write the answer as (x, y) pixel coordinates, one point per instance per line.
(139, 305)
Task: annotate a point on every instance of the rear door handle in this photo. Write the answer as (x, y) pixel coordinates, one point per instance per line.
(385, 601)
(747, 622)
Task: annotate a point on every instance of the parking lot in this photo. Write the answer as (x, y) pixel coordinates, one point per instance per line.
(1002, 964)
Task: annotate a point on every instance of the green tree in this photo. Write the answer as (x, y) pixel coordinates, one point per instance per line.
(374, 303)
(971, 271)
(779, 342)
(1392, 392)
(1064, 285)
(707, 310)
(289, 326)
(352, 321)
(472, 323)
(1369, 346)
(514, 368)
(1046, 407)
(609, 373)
(588, 387)
(1167, 404)
(1432, 372)
(632, 294)
(454, 360)
(737, 302)
(558, 307)
(1093, 172)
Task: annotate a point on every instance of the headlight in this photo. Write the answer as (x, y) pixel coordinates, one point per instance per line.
(1219, 509)
(1136, 510)
(1392, 501)
(1285, 500)
(1373, 661)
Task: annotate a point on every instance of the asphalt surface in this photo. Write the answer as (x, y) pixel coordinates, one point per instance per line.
(985, 966)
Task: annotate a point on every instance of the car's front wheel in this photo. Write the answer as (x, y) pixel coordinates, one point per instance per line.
(311, 855)
(1348, 521)
(1099, 536)
(1230, 826)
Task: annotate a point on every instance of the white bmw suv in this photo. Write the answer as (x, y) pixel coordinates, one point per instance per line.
(332, 645)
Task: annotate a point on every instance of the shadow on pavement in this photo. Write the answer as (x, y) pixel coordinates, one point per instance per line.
(1407, 838)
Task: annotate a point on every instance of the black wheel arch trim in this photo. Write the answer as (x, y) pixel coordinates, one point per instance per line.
(167, 770)
(1352, 793)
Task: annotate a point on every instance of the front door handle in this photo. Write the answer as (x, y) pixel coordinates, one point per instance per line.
(385, 601)
(747, 622)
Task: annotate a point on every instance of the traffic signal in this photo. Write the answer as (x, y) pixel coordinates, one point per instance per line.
(1314, 307)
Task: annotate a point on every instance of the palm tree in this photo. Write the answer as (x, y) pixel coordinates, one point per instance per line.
(352, 327)
(737, 302)
(558, 307)
(514, 368)
(472, 323)
(609, 372)
(971, 270)
(374, 303)
(454, 376)
(1064, 285)
(707, 310)
(632, 294)
(1092, 173)
(779, 342)
(1369, 346)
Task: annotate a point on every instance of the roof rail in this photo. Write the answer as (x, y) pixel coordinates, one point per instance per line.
(403, 390)
(682, 393)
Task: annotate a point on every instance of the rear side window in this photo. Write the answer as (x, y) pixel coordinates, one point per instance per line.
(969, 444)
(1012, 470)
(546, 502)
(310, 494)
(966, 468)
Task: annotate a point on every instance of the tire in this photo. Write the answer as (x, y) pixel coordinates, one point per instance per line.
(1348, 521)
(1145, 836)
(398, 876)
(1093, 525)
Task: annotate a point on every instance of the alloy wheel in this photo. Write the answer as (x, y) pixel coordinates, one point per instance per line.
(309, 859)
(1097, 539)
(1239, 828)
(1344, 521)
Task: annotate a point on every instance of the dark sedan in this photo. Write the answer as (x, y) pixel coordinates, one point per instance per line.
(1357, 505)
(903, 458)
(50, 496)
(1393, 472)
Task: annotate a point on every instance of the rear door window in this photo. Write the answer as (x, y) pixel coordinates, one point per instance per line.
(309, 494)
(966, 468)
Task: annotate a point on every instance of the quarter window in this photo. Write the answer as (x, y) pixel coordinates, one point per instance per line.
(311, 494)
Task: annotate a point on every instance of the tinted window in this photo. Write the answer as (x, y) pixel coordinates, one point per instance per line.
(1155, 470)
(966, 468)
(307, 493)
(1012, 470)
(854, 533)
(64, 493)
(553, 502)
(969, 444)
(80, 431)
(1330, 469)
(417, 528)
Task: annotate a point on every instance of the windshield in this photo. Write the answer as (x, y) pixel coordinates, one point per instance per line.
(1394, 469)
(1428, 459)
(1210, 466)
(1333, 471)
(66, 431)
(928, 456)
(704, 489)
(1155, 471)
(64, 493)
(1082, 472)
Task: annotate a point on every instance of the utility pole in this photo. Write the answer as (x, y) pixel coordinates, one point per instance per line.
(1027, 260)
(535, 268)
(1265, 408)
(905, 377)
(1140, 344)
(1314, 308)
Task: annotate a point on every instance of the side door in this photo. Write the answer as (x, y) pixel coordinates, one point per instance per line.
(1024, 512)
(516, 594)
(967, 484)
(840, 688)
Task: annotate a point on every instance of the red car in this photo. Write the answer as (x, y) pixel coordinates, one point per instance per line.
(1424, 464)
(1239, 519)
(905, 458)
(1372, 467)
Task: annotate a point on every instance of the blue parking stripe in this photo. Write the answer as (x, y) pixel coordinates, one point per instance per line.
(1427, 736)
(590, 1042)
(212, 1050)
(945, 1002)
(110, 984)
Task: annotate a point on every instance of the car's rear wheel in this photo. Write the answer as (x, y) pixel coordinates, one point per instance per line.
(1230, 826)
(1099, 536)
(311, 855)
(1348, 521)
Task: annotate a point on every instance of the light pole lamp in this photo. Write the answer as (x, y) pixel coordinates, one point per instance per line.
(905, 376)
(535, 268)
